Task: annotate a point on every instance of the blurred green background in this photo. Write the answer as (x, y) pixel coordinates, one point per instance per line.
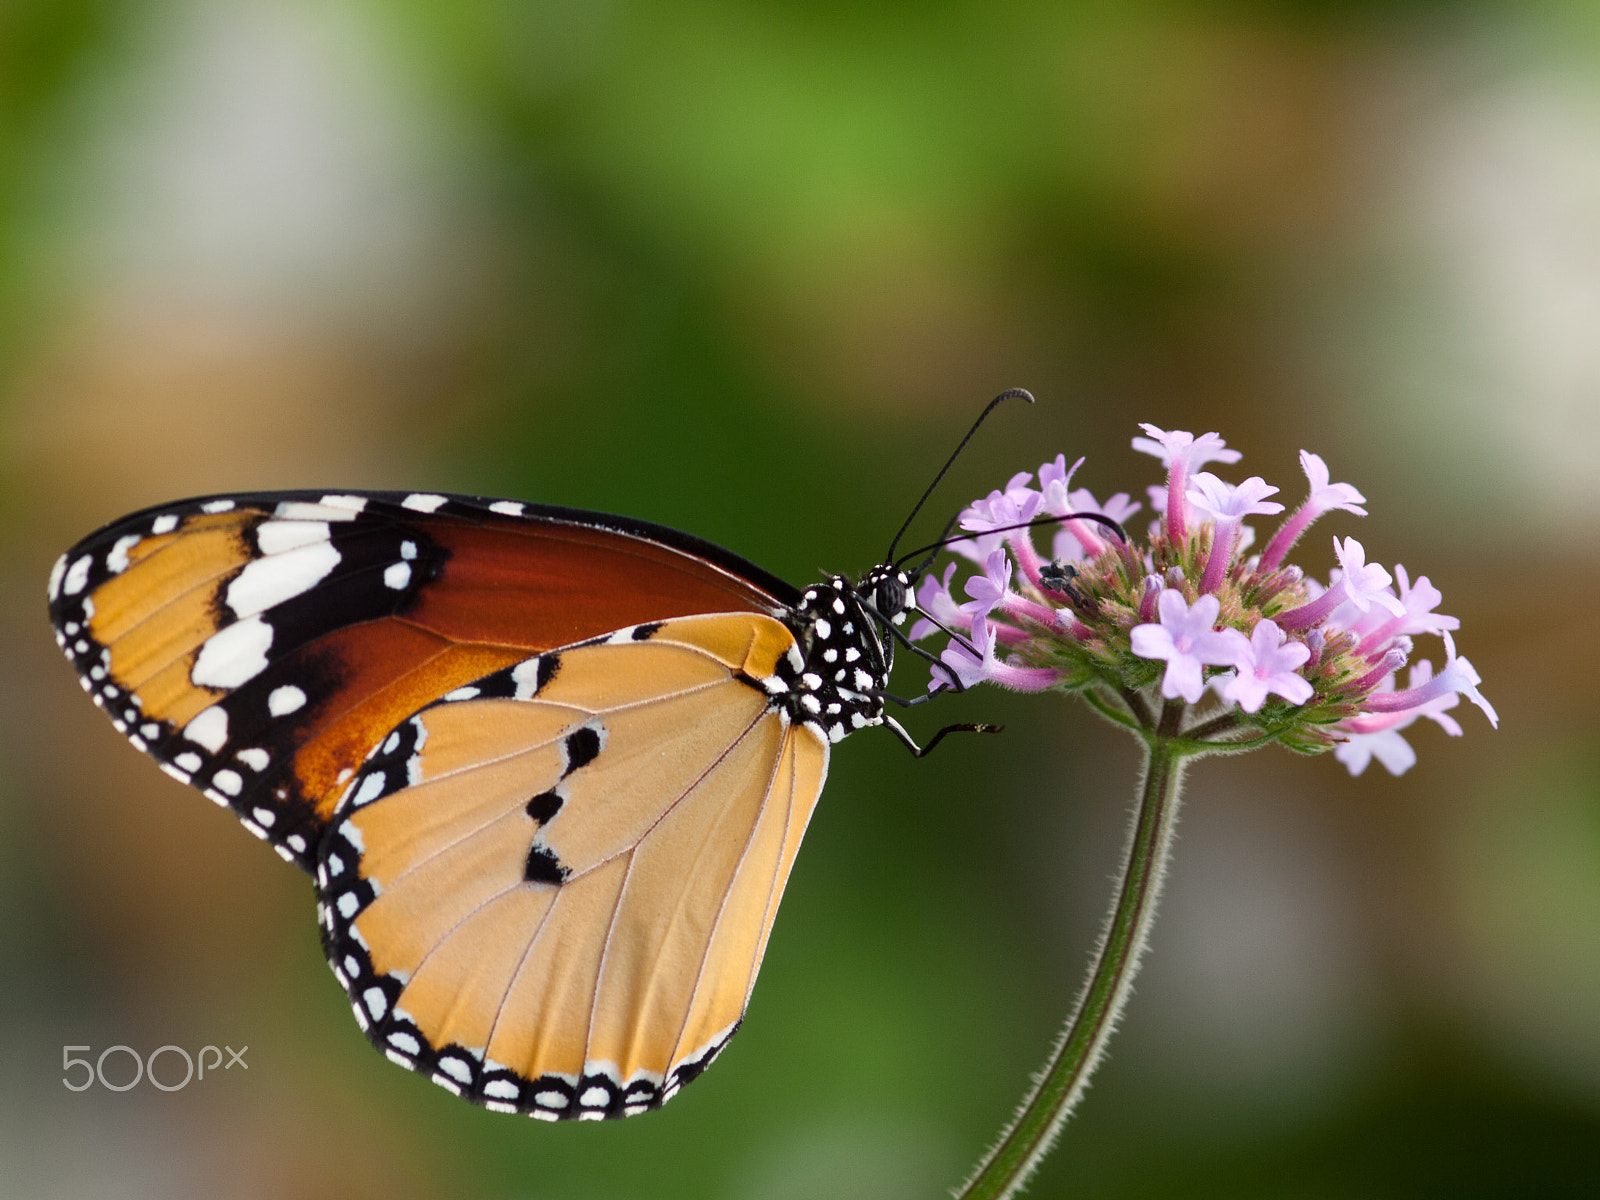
(750, 270)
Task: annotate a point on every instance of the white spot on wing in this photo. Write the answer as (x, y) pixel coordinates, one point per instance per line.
(254, 758)
(423, 502)
(397, 576)
(56, 573)
(277, 537)
(508, 508)
(299, 510)
(278, 577)
(228, 781)
(77, 576)
(285, 700)
(208, 729)
(217, 506)
(233, 655)
(526, 675)
(165, 523)
(353, 504)
(188, 761)
(117, 560)
(369, 789)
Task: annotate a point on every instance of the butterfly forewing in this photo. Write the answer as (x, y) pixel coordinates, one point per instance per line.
(551, 890)
(259, 646)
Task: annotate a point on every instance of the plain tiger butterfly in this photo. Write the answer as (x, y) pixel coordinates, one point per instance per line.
(548, 769)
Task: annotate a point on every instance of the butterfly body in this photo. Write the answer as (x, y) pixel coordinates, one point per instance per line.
(548, 769)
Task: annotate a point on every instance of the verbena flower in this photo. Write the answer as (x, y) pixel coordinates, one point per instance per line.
(1252, 646)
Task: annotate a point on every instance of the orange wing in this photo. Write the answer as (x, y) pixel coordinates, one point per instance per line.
(259, 646)
(551, 890)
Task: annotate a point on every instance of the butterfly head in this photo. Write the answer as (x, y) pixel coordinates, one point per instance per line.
(887, 590)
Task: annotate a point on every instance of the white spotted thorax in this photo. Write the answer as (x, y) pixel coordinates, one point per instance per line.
(844, 655)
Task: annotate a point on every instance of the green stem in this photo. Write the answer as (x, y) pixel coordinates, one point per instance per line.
(1006, 1168)
(1104, 707)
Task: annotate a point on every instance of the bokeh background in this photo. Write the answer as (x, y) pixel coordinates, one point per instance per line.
(750, 270)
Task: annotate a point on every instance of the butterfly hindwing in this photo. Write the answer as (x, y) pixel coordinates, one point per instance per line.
(551, 889)
(259, 646)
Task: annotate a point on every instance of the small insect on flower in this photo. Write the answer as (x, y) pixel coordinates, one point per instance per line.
(1136, 626)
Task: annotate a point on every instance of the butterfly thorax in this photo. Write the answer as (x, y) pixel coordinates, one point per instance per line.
(845, 651)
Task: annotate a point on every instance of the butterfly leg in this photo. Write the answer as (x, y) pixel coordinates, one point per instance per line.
(955, 683)
(923, 751)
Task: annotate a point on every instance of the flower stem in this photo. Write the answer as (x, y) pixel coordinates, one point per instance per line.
(1008, 1165)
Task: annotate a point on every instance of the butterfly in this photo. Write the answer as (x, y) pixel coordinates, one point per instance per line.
(547, 768)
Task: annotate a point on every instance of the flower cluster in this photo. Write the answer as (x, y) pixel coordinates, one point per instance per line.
(1190, 632)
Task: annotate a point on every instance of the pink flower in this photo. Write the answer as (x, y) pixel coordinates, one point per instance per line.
(1054, 479)
(1458, 676)
(1378, 736)
(1017, 503)
(1187, 638)
(1182, 452)
(989, 589)
(978, 664)
(971, 665)
(1358, 585)
(1228, 506)
(998, 516)
(1180, 445)
(1324, 497)
(1226, 502)
(1418, 600)
(934, 598)
(1080, 540)
(1364, 585)
(1268, 665)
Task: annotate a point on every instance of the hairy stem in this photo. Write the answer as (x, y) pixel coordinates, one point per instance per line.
(1057, 1089)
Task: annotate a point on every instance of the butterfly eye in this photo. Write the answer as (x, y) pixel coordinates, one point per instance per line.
(890, 597)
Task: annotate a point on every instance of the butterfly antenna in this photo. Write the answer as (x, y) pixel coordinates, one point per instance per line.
(1009, 394)
(935, 547)
(945, 538)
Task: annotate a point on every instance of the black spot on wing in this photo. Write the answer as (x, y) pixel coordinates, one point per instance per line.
(583, 747)
(544, 867)
(544, 806)
(643, 633)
